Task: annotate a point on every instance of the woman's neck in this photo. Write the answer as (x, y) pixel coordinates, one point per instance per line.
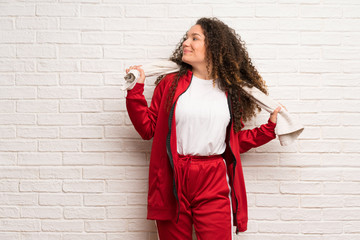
(201, 72)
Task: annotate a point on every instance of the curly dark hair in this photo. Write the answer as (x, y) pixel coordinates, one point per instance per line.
(231, 65)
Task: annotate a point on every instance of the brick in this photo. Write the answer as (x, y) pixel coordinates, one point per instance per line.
(59, 199)
(7, 132)
(124, 53)
(53, 92)
(39, 159)
(60, 173)
(321, 227)
(9, 212)
(268, 214)
(62, 119)
(351, 146)
(320, 38)
(36, 106)
(121, 132)
(80, 52)
(341, 53)
(84, 213)
(40, 186)
(8, 159)
(7, 79)
(59, 145)
(102, 38)
(125, 159)
(103, 92)
(128, 235)
(41, 212)
(105, 200)
(231, 11)
(101, 66)
(322, 93)
(337, 214)
(126, 212)
(342, 25)
(102, 145)
(136, 199)
(17, 93)
(152, 11)
(35, 23)
(22, 199)
(37, 132)
(62, 226)
(125, 24)
(348, 188)
(7, 51)
(36, 51)
(57, 10)
(6, 24)
(57, 37)
(82, 79)
(341, 133)
(137, 145)
(107, 226)
(136, 172)
(271, 173)
(58, 66)
(278, 227)
(82, 23)
(83, 186)
(148, 39)
(320, 174)
(321, 201)
(9, 186)
(18, 146)
(262, 187)
(320, 12)
(31, 79)
(301, 24)
(126, 186)
(17, 65)
(114, 106)
(319, 146)
(141, 225)
(20, 225)
(102, 119)
(17, 10)
(301, 214)
(352, 201)
(102, 172)
(300, 188)
(83, 158)
(81, 132)
(40, 236)
(84, 236)
(102, 11)
(338, 160)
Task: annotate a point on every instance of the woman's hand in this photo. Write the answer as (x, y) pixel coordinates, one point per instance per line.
(142, 73)
(273, 115)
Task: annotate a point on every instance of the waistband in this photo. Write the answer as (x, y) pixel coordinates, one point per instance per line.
(200, 158)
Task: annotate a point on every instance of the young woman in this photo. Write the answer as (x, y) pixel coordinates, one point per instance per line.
(195, 120)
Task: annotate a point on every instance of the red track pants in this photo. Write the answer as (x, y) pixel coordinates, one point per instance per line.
(205, 201)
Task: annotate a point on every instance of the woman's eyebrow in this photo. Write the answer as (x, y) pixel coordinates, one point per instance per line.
(193, 34)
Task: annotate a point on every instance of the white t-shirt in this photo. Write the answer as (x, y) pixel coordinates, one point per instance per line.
(202, 115)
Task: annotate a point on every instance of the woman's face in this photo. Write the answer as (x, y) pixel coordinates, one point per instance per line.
(194, 49)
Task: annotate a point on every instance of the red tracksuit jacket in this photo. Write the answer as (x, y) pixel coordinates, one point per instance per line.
(155, 121)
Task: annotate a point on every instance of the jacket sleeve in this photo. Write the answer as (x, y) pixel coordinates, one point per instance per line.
(143, 117)
(257, 136)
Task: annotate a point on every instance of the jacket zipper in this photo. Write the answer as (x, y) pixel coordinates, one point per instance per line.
(168, 148)
(234, 165)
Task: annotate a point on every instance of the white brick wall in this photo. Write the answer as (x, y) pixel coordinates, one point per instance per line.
(73, 168)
